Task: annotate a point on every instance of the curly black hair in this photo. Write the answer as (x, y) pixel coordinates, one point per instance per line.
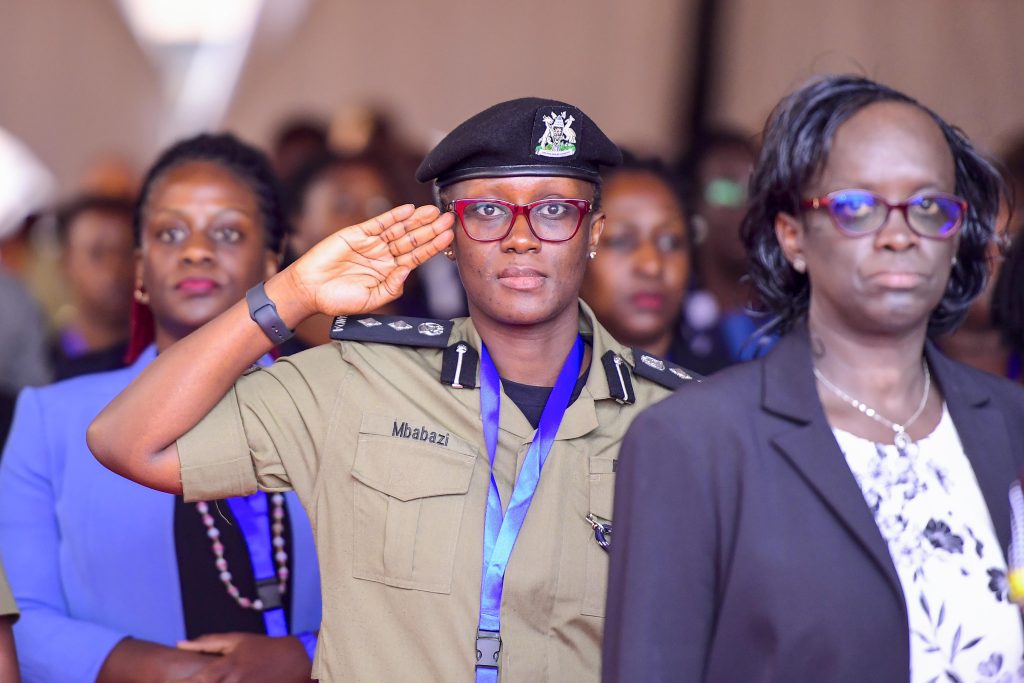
(797, 140)
(242, 160)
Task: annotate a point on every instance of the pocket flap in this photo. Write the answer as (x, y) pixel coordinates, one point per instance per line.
(407, 469)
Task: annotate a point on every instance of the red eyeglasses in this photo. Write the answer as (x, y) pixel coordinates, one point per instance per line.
(856, 213)
(491, 220)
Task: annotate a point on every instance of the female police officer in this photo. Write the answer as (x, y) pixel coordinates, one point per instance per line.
(406, 492)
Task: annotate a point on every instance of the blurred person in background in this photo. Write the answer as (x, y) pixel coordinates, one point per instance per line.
(841, 515)
(978, 341)
(111, 575)
(1008, 304)
(98, 261)
(26, 187)
(327, 194)
(8, 615)
(296, 142)
(361, 130)
(718, 323)
(636, 283)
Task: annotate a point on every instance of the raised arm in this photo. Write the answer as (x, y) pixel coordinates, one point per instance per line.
(355, 270)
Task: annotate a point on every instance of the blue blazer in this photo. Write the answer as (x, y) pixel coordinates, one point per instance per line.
(90, 555)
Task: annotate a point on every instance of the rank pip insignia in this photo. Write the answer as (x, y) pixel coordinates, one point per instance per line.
(400, 325)
(430, 329)
(559, 139)
(655, 363)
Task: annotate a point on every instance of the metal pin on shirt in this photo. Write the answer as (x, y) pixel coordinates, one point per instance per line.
(461, 350)
(618, 369)
(602, 530)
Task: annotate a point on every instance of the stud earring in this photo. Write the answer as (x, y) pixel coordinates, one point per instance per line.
(799, 265)
(953, 261)
(449, 253)
(141, 296)
(592, 255)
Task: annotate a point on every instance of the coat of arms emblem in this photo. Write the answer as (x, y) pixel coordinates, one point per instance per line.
(559, 139)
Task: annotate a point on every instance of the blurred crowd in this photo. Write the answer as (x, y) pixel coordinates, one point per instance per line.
(672, 278)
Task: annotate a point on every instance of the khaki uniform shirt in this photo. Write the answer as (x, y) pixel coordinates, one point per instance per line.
(7, 606)
(391, 467)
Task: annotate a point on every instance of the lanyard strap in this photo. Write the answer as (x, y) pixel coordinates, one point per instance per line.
(251, 513)
(501, 531)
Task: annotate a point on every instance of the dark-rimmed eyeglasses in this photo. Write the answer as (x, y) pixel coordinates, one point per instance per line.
(491, 220)
(857, 213)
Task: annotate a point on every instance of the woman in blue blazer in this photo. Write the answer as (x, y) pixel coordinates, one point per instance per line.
(836, 511)
(110, 575)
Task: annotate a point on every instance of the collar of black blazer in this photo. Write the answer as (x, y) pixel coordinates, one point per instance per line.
(789, 392)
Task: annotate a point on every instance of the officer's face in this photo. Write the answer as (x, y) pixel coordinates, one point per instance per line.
(520, 280)
(202, 247)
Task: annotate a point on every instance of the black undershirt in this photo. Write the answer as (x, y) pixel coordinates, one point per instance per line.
(205, 601)
(531, 400)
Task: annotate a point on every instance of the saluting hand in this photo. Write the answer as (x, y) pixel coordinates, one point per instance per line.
(362, 267)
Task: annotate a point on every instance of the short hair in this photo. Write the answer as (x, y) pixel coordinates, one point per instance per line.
(310, 172)
(797, 141)
(301, 130)
(69, 212)
(245, 162)
(652, 166)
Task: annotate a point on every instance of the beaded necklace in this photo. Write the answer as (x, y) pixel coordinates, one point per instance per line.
(277, 540)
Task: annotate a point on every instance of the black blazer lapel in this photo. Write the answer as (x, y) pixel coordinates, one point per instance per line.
(807, 442)
(984, 435)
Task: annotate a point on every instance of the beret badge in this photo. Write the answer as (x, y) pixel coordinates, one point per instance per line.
(558, 138)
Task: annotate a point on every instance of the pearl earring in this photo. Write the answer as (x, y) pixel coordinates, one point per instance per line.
(799, 265)
(592, 255)
(141, 296)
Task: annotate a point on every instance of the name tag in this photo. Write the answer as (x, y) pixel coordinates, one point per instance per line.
(404, 430)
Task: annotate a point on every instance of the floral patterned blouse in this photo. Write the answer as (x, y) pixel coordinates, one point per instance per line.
(931, 512)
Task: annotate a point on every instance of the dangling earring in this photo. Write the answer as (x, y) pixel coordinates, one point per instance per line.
(592, 255)
(799, 265)
(141, 296)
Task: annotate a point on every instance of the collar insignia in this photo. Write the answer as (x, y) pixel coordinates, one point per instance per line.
(458, 366)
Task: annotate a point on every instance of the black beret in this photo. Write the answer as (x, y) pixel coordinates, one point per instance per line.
(525, 137)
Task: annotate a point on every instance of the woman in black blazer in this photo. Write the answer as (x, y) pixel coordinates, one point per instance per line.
(835, 511)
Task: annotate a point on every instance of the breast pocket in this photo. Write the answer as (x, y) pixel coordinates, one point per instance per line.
(602, 491)
(408, 503)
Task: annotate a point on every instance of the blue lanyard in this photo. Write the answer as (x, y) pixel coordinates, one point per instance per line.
(501, 531)
(253, 519)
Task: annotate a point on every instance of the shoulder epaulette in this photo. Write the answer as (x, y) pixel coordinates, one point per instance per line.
(389, 329)
(664, 372)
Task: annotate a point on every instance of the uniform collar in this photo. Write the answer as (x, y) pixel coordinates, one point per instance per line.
(581, 417)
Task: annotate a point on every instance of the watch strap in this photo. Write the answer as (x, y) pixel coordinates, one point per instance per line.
(263, 311)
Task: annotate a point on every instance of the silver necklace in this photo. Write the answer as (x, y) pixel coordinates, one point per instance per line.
(900, 436)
